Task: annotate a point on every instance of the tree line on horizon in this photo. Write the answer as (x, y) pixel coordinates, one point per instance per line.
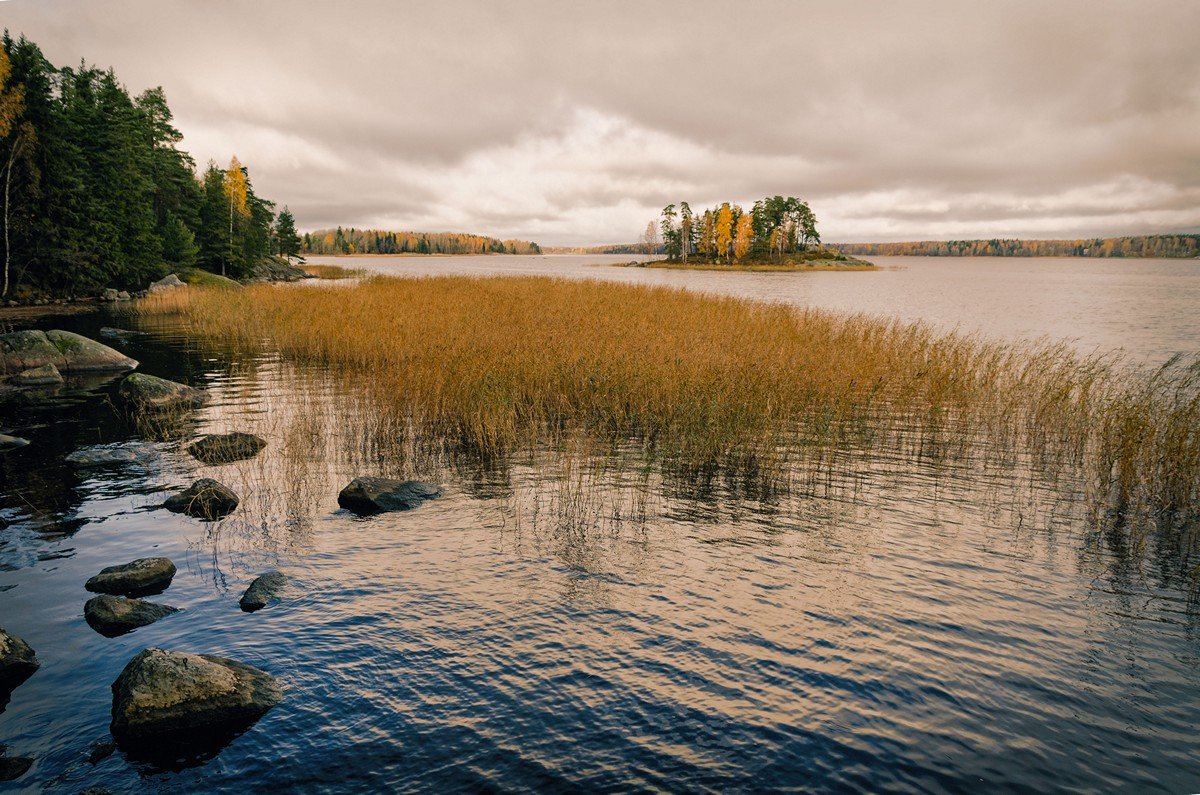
(771, 230)
(95, 192)
(1167, 246)
(378, 241)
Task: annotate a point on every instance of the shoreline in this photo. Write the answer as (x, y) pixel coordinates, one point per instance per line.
(754, 267)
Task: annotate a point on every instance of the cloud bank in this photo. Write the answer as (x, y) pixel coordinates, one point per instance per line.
(569, 123)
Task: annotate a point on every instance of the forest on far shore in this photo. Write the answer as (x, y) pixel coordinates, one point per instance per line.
(1167, 246)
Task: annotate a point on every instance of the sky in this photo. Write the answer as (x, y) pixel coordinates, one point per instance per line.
(573, 123)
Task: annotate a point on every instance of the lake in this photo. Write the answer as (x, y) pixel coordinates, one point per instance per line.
(898, 622)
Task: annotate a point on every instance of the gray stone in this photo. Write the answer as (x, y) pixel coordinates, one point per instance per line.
(69, 352)
(11, 442)
(371, 495)
(264, 588)
(13, 767)
(100, 751)
(161, 694)
(169, 282)
(142, 576)
(102, 456)
(153, 393)
(46, 375)
(225, 447)
(115, 615)
(204, 499)
(109, 294)
(17, 661)
(123, 296)
(119, 333)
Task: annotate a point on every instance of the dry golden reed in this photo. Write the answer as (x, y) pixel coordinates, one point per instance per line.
(497, 365)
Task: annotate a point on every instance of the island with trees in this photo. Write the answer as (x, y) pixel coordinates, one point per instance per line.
(776, 233)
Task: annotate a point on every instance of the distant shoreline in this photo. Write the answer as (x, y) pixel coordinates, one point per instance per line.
(753, 267)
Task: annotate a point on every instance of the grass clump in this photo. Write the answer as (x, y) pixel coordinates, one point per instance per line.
(706, 383)
(332, 271)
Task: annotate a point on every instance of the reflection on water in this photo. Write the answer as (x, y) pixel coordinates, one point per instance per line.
(899, 621)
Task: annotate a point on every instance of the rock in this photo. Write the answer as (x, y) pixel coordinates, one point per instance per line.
(137, 578)
(123, 296)
(263, 590)
(119, 333)
(109, 294)
(102, 456)
(115, 615)
(45, 375)
(226, 447)
(11, 442)
(100, 751)
(150, 392)
(168, 282)
(164, 694)
(204, 499)
(13, 767)
(17, 661)
(25, 350)
(372, 495)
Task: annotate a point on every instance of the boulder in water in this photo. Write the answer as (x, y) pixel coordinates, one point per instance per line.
(17, 661)
(115, 615)
(139, 577)
(11, 442)
(221, 448)
(46, 375)
(204, 499)
(13, 767)
(163, 696)
(68, 352)
(154, 393)
(264, 588)
(100, 456)
(368, 495)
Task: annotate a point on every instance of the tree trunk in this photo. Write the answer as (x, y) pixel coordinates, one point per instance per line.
(7, 183)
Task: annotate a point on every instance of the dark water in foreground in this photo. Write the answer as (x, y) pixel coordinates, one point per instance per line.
(900, 626)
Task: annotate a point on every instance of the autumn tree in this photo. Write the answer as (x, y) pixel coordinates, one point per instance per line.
(743, 236)
(650, 239)
(723, 230)
(235, 190)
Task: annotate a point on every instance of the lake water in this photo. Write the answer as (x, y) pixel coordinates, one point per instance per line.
(900, 623)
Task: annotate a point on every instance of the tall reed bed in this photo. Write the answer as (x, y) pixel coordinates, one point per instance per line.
(703, 383)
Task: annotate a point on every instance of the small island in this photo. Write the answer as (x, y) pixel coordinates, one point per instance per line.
(777, 234)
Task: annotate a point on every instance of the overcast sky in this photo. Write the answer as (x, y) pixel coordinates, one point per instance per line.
(572, 123)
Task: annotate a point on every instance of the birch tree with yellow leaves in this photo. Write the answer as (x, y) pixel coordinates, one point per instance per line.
(236, 190)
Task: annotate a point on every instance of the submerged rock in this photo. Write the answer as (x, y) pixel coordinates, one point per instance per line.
(263, 590)
(100, 751)
(371, 495)
(164, 695)
(150, 392)
(225, 447)
(68, 352)
(17, 661)
(139, 577)
(115, 615)
(46, 375)
(13, 767)
(204, 499)
(119, 333)
(103, 456)
(11, 442)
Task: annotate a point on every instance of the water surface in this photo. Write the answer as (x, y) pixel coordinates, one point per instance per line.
(898, 623)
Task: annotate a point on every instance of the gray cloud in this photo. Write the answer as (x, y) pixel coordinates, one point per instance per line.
(571, 123)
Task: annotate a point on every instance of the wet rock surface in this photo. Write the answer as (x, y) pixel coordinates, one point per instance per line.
(367, 495)
(116, 615)
(225, 447)
(11, 442)
(150, 392)
(112, 454)
(46, 375)
(136, 578)
(17, 661)
(204, 499)
(164, 696)
(264, 588)
(67, 351)
(13, 767)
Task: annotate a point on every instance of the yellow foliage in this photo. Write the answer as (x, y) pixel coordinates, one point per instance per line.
(744, 235)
